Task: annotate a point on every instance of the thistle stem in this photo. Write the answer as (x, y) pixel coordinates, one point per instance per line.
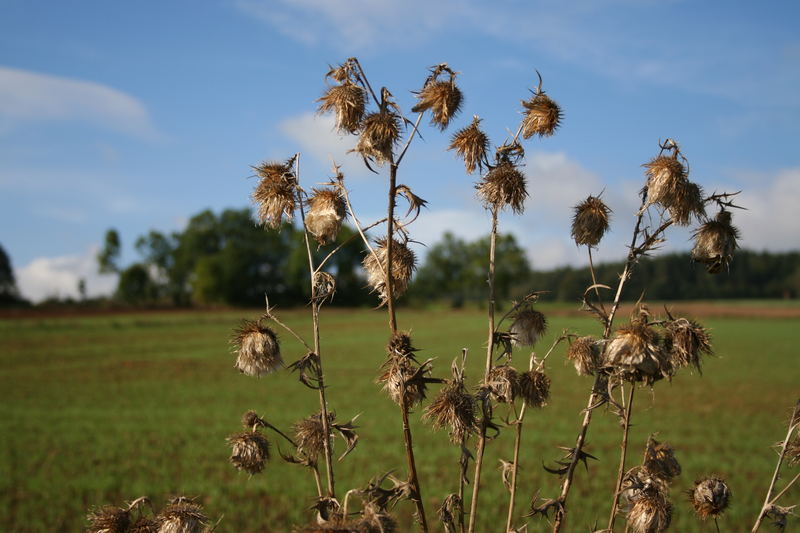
(514, 471)
(476, 482)
(463, 463)
(594, 278)
(622, 457)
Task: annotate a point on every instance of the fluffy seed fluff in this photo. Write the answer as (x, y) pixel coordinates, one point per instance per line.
(542, 116)
(590, 221)
(665, 174)
(635, 353)
(310, 435)
(660, 461)
(471, 143)
(403, 264)
(443, 98)
(584, 353)
(348, 101)
(453, 408)
(249, 451)
(503, 383)
(326, 212)
(528, 327)
(108, 519)
(715, 242)
(710, 497)
(534, 387)
(687, 342)
(275, 194)
(182, 516)
(380, 131)
(502, 186)
(257, 349)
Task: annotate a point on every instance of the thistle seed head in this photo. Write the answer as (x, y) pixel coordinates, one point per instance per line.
(528, 327)
(443, 98)
(182, 516)
(635, 354)
(687, 342)
(502, 186)
(542, 116)
(108, 519)
(471, 143)
(326, 212)
(665, 175)
(403, 371)
(715, 242)
(275, 194)
(450, 511)
(793, 451)
(637, 483)
(590, 221)
(348, 101)
(660, 461)
(400, 345)
(710, 497)
(584, 353)
(249, 451)
(453, 408)
(534, 388)
(503, 383)
(686, 202)
(375, 520)
(257, 349)
(144, 525)
(251, 420)
(379, 134)
(324, 286)
(651, 513)
(310, 435)
(403, 264)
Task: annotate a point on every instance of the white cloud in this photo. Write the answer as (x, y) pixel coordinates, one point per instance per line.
(30, 96)
(46, 277)
(770, 221)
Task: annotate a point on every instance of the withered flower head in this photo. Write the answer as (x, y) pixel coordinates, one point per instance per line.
(534, 388)
(584, 353)
(251, 420)
(380, 131)
(144, 525)
(326, 212)
(249, 451)
(528, 327)
(275, 193)
(793, 451)
(635, 353)
(443, 98)
(403, 264)
(450, 511)
(401, 371)
(471, 143)
(665, 175)
(400, 345)
(310, 435)
(503, 383)
(686, 202)
(687, 341)
(590, 221)
(182, 516)
(257, 349)
(715, 242)
(108, 519)
(348, 101)
(652, 513)
(324, 286)
(710, 497)
(453, 408)
(660, 461)
(374, 520)
(502, 186)
(542, 116)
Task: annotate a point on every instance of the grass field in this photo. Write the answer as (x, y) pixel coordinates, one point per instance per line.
(107, 408)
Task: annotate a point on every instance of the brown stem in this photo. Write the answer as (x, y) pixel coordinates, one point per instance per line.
(622, 457)
(412, 466)
(785, 489)
(594, 279)
(462, 475)
(317, 480)
(389, 247)
(476, 482)
(793, 423)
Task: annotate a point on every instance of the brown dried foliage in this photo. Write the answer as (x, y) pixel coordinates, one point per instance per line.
(310, 435)
(660, 461)
(584, 353)
(453, 408)
(442, 98)
(503, 383)
(590, 221)
(182, 516)
(687, 342)
(108, 519)
(379, 134)
(635, 353)
(534, 388)
(471, 143)
(348, 101)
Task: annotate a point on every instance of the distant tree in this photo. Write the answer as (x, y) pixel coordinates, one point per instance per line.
(82, 289)
(135, 286)
(9, 294)
(108, 257)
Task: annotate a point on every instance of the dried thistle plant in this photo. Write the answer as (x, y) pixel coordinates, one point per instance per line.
(665, 174)
(403, 264)
(710, 497)
(715, 242)
(534, 387)
(590, 221)
(528, 327)
(379, 133)
(471, 143)
(651, 513)
(257, 348)
(660, 460)
(310, 435)
(453, 408)
(635, 353)
(503, 383)
(686, 202)
(348, 101)
(503, 185)
(276, 193)
(584, 353)
(687, 342)
(326, 211)
(108, 519)
(182, 515)
(542, 114)
(249, 451)
(442, 97)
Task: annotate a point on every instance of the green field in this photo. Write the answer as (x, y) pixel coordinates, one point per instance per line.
(105, 409)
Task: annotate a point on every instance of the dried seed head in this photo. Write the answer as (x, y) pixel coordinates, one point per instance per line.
(778, 515)
(182, 515)
(403, 264)
(453, 408)
(584, 353)
(637, 483)
(251, 419)
(348, 101)
(400, 345)
(710, 497)
(534, 387)
(660, 461)
(635, 354)
(651, 513)
(471, 144)
(503, 383)
(326, 212)
(144, 525)
(665, 175)
(450, 512)
(403, 371)
(324, 286)
(590, 221)
(502, 186)
(443, 98)
(380, 131)
(310, 435)
(375, 520)
(686, 202)
(108, 519)
(528, 327)
(275, 193)
(249, 451)
(715, 242)
(687, 341)
(542, 116)
(793, 451)
(257, 348)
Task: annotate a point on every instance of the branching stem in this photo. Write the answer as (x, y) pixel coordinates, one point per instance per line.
(622, 457)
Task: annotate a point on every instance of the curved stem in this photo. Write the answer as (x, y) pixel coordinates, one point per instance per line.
(622, 457)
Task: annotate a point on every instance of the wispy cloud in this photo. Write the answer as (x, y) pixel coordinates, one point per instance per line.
(46, 277)
(30, 96)
(770, 221)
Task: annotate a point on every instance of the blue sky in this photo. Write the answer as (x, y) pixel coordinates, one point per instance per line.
(136, 115)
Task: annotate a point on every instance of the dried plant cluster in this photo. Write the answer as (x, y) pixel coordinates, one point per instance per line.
(638, 354)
